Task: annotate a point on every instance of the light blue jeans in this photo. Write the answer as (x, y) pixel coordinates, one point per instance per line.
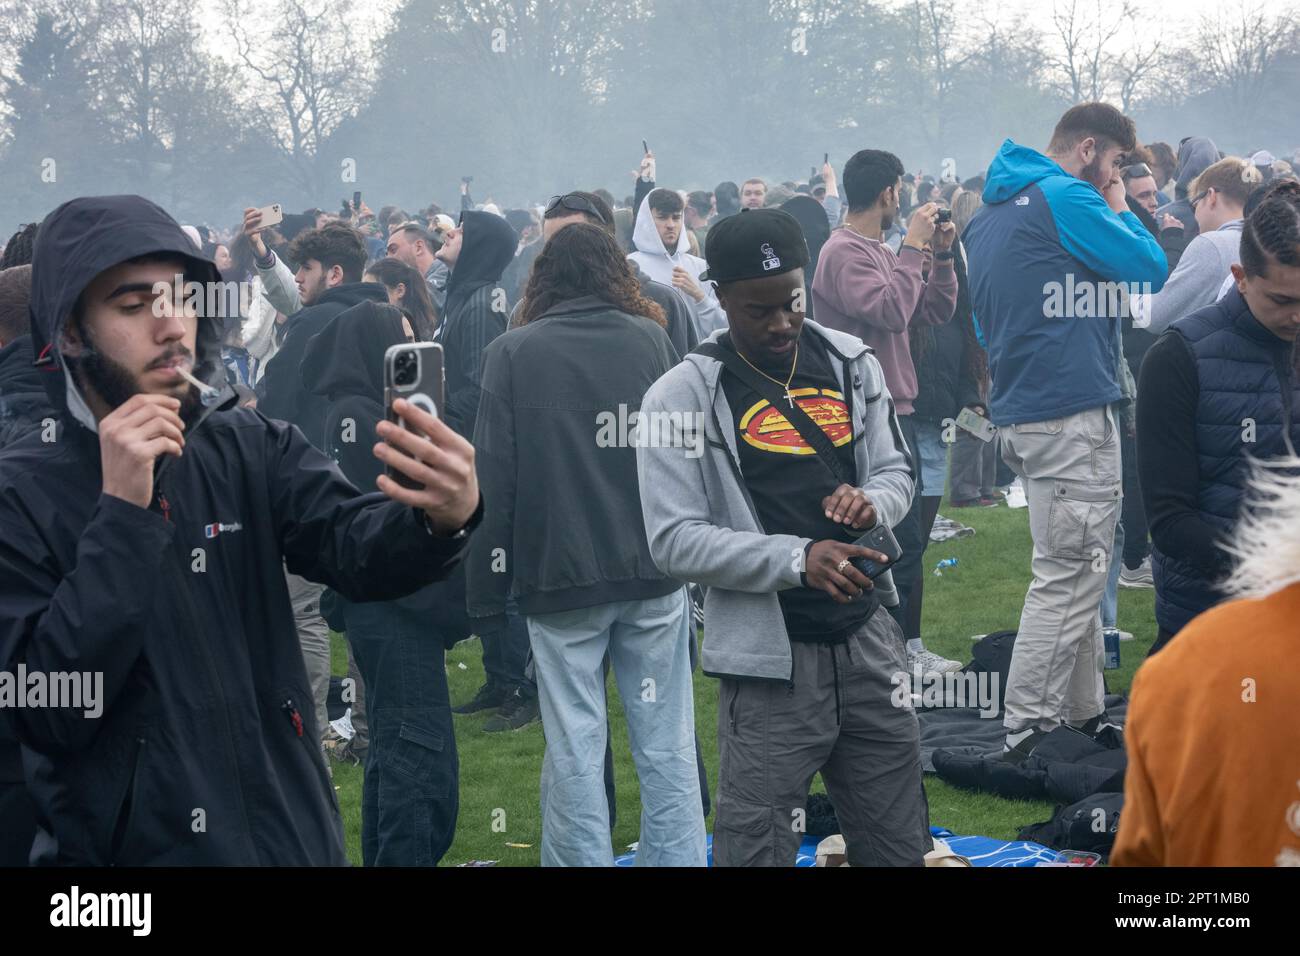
(649, 648)
(1110, 600)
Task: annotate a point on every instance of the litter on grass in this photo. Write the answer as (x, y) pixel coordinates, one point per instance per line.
(946, 529)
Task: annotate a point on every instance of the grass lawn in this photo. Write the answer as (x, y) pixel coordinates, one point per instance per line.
(499, 773)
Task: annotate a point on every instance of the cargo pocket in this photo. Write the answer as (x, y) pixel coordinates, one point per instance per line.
(1081, 522)
(418, 754)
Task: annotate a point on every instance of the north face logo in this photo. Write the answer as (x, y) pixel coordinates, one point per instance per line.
(1022, 201)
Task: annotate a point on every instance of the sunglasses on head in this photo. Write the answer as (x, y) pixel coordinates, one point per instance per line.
(575, 203)
(1197, 199)
(1136, 171)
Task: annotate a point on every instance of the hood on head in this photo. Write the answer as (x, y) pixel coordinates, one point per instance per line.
(347, 356)
(646, 237)
(1196, 154)
(486, 248)
(1014, 168)
(79, 240)
(811, 216)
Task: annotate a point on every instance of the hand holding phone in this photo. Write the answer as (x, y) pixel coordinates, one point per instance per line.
(437, 463)
(413, 373)
(833, 567)
(882, 542)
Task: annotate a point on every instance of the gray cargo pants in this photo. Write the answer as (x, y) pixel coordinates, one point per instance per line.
(314, 638)
(1070, 468)
(839, 715)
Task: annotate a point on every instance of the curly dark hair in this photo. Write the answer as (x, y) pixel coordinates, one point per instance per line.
(333, 244)
(1272, 230)
(18, 250)
(582, 260)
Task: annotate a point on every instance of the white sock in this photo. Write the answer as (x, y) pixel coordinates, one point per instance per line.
(914, 646)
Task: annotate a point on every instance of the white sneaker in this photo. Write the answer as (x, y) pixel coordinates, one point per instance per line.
(1139, 577)
(930, 663)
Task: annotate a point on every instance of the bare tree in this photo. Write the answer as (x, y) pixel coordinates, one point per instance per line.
(306, 77)
(1237, 55)
(1086, 31)
(1136, 70)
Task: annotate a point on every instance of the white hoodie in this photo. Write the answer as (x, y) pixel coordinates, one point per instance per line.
(656, 262)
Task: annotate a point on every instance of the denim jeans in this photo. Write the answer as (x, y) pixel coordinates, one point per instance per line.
(1110, 600)
(505, 654)
(648, 645)
(411, 794)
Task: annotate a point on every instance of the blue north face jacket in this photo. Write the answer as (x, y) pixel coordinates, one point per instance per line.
(1040, 241)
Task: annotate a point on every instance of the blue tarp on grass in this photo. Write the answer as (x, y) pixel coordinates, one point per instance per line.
(981, 851)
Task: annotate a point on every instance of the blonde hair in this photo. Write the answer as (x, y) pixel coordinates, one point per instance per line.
(964, 206)
(1231, 177)
(1267, 539)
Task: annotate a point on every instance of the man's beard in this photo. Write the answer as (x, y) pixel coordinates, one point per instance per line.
(1092, 173)
(114, 383)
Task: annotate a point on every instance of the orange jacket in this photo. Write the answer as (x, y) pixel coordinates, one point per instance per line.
(1213, 741)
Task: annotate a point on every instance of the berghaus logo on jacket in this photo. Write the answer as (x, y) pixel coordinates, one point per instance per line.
(212, 530)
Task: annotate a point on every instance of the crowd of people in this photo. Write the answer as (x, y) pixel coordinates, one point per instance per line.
(685, 407)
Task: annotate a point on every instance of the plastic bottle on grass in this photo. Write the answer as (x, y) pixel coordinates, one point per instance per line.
(945, 563)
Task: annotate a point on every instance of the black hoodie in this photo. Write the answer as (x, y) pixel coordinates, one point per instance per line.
(206, 750)
(282, 393)
(344, 363)
(23, 405)
(343, 368)
(475, 314)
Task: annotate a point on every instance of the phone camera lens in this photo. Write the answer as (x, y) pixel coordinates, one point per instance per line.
(405, 369)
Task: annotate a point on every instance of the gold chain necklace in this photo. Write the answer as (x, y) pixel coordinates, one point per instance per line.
(776, 381)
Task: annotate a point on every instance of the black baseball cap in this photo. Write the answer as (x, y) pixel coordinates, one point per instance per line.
(754, 243)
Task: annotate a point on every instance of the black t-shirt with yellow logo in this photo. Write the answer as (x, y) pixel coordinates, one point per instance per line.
(787, 481)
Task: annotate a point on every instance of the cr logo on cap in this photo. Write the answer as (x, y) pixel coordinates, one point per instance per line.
(771, 262)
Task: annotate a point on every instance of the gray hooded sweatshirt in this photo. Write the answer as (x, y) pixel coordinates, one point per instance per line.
(1195, 281)
(702, 526)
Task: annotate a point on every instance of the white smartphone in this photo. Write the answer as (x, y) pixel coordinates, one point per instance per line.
(272, 215)
(976, 424)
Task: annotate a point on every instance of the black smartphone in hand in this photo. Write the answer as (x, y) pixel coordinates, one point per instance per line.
(413, 371)
(881, 539)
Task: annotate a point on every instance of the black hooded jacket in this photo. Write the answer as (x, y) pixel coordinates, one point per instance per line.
(206, 750)
(281, 393)
(475, 314)
(23, 405)
(344, 363)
